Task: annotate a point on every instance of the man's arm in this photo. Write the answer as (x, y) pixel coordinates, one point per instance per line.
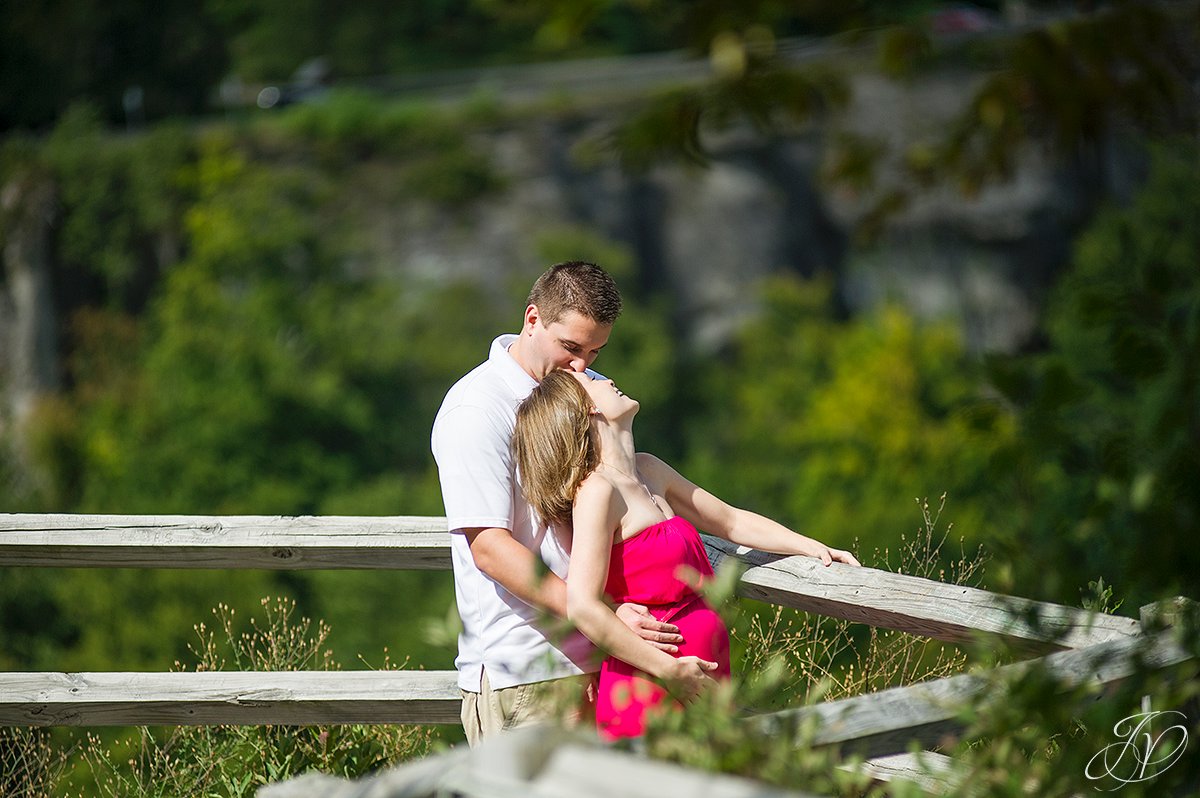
(518, 570)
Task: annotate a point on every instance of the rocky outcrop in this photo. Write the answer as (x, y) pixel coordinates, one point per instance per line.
(28, 356)
(710, 235)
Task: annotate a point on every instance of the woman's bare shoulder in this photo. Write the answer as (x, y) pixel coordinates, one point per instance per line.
(653, 468)
(596, 490)
(647, 460)
(599, 500)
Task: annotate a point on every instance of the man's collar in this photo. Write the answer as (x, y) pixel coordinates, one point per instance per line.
(514, 376)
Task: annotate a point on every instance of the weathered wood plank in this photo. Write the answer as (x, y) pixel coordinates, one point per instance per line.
(887, 722)
(183, 541)
(591, 772)
(238, 698)
(934, 772)
(895, 601)
(920, 606)
(533, 762)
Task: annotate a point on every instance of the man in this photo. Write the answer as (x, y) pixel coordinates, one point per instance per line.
(508, 666)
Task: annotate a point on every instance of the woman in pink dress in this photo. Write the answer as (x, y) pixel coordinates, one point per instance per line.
(633, 538)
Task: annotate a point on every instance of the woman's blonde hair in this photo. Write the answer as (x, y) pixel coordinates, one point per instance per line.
(553, 445)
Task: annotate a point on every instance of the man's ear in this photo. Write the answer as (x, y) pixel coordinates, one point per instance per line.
(532, 314)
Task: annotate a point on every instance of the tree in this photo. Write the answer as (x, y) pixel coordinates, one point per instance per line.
(135, 61)
(835, 427)
(1111, 411)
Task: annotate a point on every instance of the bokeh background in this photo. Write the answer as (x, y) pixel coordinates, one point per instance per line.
(872, 252)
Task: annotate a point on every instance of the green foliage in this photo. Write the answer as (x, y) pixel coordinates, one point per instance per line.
(825, 425)
(671, 127)
(230, 316)
(350, 123)
(270, 40)
(122, 201)
(750, 726)
(1111, 412)
(213, 760)
(790, 657)
(54, 53)
(265, 381)
(1031, 734)
(713, 735)
(1099, 597)
(453, 177)
(235, 760)
(34, 630)
(401, 607)
(222, 359)
(258, 378)
(431, 145)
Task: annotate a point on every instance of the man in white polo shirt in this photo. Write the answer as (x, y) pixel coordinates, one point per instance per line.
(508, 568)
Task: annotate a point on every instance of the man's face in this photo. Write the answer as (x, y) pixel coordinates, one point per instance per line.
(572, 342)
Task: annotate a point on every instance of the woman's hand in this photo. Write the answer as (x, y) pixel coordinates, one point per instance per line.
(827, 555)
(689, 678)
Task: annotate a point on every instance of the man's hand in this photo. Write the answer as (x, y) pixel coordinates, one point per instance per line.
(663, 636)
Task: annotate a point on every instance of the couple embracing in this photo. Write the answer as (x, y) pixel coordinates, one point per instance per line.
(554, 514)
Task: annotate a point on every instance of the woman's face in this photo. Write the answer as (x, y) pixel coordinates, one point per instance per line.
(608, 399)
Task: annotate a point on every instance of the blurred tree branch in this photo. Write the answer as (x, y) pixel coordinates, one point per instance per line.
(1066, 82)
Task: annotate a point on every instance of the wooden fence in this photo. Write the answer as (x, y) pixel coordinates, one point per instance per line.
(1076, 644)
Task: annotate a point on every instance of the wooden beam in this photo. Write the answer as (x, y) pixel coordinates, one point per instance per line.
(239, 698)
(889, 721)
(911, 604)
(533, 762)
(933, 772)
(248, 541)
(865, 595)
(580, 771)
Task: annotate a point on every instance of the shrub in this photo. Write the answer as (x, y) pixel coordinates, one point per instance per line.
(234, 760)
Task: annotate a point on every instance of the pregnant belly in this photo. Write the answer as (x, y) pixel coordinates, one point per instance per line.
(625, 695)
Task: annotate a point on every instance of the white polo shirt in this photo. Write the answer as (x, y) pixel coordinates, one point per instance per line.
(480, 488)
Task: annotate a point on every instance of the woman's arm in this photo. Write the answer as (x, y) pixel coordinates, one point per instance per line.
(597, 512)
(736, 525)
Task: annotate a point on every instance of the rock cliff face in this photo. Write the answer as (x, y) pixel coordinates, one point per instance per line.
(28, 362)
(708, 236)
(711, 235)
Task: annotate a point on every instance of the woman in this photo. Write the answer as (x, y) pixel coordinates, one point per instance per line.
(634, 539)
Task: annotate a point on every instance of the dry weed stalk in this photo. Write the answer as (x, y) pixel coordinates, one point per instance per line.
(829, 658)
(29, 764)
(235, 760)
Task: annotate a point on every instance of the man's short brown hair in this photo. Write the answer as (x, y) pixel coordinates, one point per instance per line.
(579, 286)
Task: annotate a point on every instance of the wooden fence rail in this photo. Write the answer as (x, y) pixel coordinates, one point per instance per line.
(1089, 645)
(245, 698)
(888, 722)
(864, 595)
(247, 541)
(953, 613)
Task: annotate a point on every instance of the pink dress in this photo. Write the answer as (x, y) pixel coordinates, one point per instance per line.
(645, 569)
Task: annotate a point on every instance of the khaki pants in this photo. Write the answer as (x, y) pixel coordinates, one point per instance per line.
(490, 711)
